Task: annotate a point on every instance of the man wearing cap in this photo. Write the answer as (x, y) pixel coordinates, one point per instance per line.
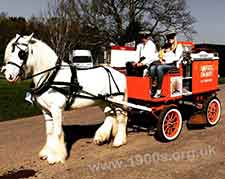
(175, 48)
(146, 53)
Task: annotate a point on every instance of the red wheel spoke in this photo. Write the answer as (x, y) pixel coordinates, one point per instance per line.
(171, 124)
(213, 111)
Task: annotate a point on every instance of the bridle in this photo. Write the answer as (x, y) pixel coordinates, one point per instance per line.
(22, 54)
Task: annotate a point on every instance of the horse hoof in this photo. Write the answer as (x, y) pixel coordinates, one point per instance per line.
(117, 143)
(43, 157)
(98, 142)
(53, 162)
(54, 158)
(101, 138)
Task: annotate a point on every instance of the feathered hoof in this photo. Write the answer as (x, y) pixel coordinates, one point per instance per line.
(102, 138)
(52, 156)
(43, 154)
(118, 142)
(53, 159)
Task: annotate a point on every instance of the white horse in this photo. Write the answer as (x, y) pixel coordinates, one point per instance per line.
(25, 55)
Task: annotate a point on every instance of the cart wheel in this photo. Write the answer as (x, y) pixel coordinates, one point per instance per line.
(213, 111)
(169, 125)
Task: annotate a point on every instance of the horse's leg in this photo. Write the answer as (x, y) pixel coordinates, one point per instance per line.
(120, 125)
(57, 147)
(120, 137)
(43, 154)
(115, 127)
(104, 131)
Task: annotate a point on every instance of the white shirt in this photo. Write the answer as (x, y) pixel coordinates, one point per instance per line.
(177, 57)
(179, 53)
(169, 57)
(148, 51)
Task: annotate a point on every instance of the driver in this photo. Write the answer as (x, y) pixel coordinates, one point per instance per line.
(146, 54)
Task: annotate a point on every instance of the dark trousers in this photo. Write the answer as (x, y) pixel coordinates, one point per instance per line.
(133, 70)
(152, 69)
(160, 71)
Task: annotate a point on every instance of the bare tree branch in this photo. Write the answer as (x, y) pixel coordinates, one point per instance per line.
(96, 23)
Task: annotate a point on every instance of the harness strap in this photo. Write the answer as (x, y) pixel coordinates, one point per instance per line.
(111, 77)
(46, 83)
(37, 74)
(21, 68)
(72, 88)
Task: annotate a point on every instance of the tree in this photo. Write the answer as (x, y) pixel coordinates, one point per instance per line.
(10, 26)
(95, 23)
(62, 31)
(110, 18)
(165, 15)
(116, 17)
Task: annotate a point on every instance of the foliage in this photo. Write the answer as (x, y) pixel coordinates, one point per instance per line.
(93, 24)
(116, 17)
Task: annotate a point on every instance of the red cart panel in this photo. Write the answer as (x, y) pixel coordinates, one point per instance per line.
(204, 75)
(139, 87)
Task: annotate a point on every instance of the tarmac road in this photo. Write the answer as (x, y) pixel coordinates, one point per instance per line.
(198, 153)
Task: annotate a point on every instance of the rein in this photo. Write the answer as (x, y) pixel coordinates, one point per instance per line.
(40, 73)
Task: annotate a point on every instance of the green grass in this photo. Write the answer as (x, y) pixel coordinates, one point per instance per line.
(12, 103)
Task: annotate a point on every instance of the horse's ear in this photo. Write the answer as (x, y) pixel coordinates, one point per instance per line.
(30, 37)
(17, 36)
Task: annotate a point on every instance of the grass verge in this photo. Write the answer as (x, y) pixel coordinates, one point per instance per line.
(12, 103)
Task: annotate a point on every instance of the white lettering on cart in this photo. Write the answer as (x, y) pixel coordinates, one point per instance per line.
(206, 71)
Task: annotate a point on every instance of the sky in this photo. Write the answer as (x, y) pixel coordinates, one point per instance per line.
(210, 16)
(23, 8)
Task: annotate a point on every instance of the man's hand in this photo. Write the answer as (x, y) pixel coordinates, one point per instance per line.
(162, 61)
(139, 64)
(141, 59)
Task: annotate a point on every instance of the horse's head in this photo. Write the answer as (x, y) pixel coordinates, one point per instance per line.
(16, 55)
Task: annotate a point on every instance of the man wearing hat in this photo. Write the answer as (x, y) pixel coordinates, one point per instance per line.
(177, 50)
(146, 53)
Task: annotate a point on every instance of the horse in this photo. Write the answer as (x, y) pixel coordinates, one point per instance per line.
(58, 84)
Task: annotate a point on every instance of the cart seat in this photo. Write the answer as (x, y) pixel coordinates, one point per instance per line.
(173, 70)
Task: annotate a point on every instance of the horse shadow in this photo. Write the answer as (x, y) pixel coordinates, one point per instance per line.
(136, 123)
(75, 132)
